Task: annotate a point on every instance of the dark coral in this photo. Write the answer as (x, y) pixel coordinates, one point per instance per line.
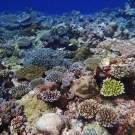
(9, 110)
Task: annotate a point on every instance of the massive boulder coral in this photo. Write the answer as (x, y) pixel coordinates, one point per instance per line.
(51, 124)
(85, 87)
(23, 41)
(30, 72)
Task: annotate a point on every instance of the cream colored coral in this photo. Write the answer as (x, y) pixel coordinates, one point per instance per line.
(85, 87)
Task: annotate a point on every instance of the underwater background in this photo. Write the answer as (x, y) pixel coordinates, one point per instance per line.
(60, 6)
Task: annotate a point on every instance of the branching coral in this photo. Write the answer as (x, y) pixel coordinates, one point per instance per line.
(9, 110)
(54, 76)
(89, 108)
(18, 91)
(45, 57)
(112, 87)
(107, 117)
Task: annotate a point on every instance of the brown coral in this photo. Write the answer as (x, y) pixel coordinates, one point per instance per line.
(85, 87)
(107, 117)
(30, 72)
(88, 108)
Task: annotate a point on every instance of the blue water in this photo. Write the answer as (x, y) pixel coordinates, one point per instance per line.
(60, 6)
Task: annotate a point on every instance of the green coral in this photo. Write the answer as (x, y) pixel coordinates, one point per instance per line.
(73, 41)
(112, 87)
(30, 72)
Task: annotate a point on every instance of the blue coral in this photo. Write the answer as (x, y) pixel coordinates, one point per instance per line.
(46, 57)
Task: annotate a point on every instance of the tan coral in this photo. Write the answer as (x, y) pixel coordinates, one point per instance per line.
(85, 87)
(107, 117)
(89, 108)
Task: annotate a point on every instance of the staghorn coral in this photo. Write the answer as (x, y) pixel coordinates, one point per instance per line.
(17, 92)
(45, 57)
(107, 117)
(112, 87)
(85, 87)
(9, 110)
(30, 72)
(88, 108)
(54, 76)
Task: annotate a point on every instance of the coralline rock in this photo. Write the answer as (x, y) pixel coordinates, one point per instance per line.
(51, 124)
(85, 87)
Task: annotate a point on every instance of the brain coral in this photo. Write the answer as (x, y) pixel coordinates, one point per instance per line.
(45, 57)
(112, 87)
(85, 87)
(30, 72)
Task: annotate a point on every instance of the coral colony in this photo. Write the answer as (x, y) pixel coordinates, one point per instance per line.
(71, 74)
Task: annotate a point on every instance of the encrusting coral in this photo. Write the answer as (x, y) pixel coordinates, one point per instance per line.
(112, 87)
(88, 108)
(107, 117)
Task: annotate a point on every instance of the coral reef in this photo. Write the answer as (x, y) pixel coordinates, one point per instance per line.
(112, 87)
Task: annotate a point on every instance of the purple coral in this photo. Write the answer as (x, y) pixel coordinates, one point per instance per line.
(49, 96)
